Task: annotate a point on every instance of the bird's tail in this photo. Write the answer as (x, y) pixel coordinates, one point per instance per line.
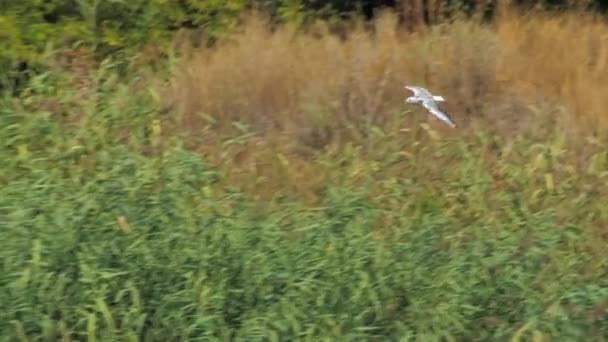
(438, 98)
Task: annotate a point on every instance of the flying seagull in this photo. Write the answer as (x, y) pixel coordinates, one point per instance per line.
(429, 101)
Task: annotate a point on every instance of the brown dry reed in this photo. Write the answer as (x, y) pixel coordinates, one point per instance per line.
(306, 80)
(307, 89)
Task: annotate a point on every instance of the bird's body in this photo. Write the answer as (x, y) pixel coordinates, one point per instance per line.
(429, 101)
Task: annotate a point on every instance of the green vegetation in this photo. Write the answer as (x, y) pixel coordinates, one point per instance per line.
(245, 196)
(112, 238)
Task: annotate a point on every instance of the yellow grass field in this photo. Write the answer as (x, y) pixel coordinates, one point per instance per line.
(303, 90)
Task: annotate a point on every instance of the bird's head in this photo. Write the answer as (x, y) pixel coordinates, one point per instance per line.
(411, 99)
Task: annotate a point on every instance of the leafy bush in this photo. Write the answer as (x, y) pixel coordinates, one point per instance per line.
(106, 27)
(110, 26)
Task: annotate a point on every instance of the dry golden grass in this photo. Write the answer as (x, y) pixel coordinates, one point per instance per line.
(305, 90)
(561, 57)
(317, 84)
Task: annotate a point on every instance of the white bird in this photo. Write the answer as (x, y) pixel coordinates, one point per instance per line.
(429, 101)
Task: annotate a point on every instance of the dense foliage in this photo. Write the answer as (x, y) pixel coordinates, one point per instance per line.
(108, 27)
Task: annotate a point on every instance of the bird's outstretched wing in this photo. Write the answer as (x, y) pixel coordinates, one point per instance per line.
(431, 106)
(419, 91)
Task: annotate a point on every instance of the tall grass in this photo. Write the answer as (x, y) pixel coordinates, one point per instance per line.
(273, 78)
(305, 89)
(278, 189)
